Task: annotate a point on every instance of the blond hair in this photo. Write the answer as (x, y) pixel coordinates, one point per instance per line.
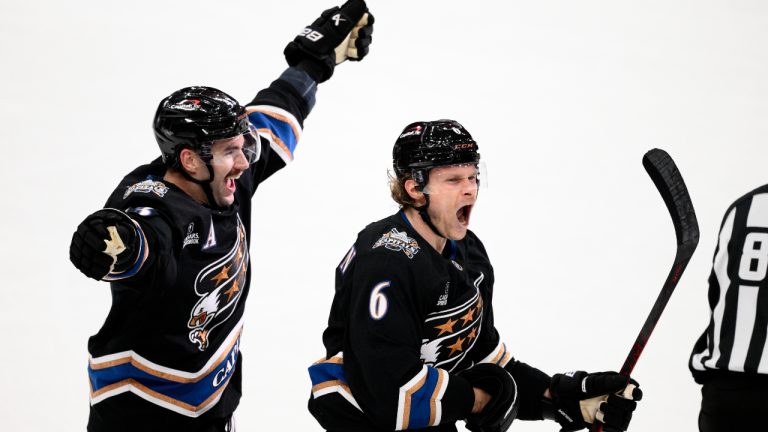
(397, 190)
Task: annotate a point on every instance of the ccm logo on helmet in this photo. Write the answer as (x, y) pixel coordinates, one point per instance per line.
(463, 146)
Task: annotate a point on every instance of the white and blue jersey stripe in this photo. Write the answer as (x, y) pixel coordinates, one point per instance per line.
(419, 403)
(187, 393)
(500, 356)
(328, 377)
(278, 126)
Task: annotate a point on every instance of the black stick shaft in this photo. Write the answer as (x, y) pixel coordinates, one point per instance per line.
(681, 262)
(665, 175)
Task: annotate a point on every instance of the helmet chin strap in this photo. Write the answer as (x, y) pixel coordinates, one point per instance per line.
(205, 184)
(421, 183)
(428, 220)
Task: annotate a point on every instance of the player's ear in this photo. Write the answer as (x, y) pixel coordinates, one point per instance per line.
(190, 161)
(413, 191)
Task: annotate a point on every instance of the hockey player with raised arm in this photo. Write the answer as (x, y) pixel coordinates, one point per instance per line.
(411, 342)
(172, 240)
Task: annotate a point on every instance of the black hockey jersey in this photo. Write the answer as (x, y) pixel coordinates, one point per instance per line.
(404, 320)
(169, 350)
(735, 340)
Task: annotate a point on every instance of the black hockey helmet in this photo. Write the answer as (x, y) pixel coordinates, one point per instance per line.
(194, 117)
(422, 146)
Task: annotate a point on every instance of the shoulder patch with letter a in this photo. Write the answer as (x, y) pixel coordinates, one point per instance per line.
(398, 241)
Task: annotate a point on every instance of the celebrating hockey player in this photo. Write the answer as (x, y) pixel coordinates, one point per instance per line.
(411, 342)
(173, 241)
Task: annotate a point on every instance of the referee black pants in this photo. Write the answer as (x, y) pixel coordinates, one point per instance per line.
(729, 405)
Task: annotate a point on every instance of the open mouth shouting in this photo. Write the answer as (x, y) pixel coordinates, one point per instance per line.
(224, 190)
(230, 184)
(463, 215)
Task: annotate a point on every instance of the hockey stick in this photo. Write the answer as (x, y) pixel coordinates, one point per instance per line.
(665, 175)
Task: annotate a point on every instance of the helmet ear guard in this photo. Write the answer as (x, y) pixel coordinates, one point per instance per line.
(420, 177)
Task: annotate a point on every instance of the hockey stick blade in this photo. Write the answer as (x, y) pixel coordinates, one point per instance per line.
(665, 175)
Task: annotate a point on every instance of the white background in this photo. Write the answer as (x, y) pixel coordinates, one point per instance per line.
(564, 97)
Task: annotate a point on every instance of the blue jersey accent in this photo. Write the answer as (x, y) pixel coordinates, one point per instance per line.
(452, 243)
(324, 372)
(281, 129)
(503, 355)
(421, 408)
(405, 218)
(194, 393)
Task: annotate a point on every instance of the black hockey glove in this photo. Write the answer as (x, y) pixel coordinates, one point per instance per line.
(105, 242)
(579, 398)
(497, 416)
(340, 33)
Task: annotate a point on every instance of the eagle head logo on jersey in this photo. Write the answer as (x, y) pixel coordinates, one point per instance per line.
(219, 286)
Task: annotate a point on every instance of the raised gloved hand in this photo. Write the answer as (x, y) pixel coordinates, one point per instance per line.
(498, 414)
(579, 398)
(339, 34)
(106, 242)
